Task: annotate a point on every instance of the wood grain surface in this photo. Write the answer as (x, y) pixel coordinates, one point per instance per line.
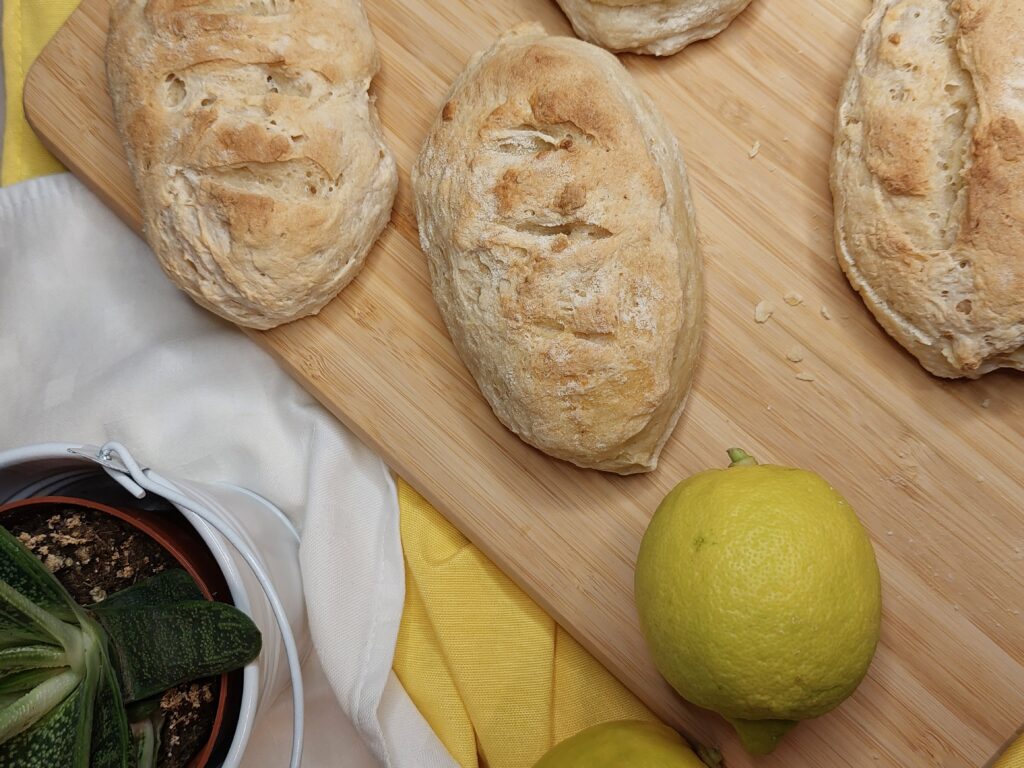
(933, 467)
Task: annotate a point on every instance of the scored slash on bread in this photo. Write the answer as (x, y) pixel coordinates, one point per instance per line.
(555, 213)
(928, 180)
(254, 145)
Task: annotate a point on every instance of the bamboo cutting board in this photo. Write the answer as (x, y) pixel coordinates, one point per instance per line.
(933, 467)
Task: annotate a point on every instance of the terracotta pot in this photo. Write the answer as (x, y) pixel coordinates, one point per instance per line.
(184, 544)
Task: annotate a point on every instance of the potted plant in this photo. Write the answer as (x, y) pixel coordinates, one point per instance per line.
(82, 678)
(237, 545)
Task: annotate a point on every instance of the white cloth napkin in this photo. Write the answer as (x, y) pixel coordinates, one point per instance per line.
(96, 344)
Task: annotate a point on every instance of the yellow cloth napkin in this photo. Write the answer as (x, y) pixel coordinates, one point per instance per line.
(1013, 757)
(26, 29)
(492, 673)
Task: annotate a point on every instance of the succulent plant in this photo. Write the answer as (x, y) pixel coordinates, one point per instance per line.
(80, 687)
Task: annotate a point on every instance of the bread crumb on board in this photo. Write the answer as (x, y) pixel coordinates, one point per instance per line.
(796, 354)
(986, 402)
(763, 311)
(793, 298)
(754, 149)
(804, 376)
(825, 313)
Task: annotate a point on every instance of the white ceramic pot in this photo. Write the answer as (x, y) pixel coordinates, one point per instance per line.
(254, 543)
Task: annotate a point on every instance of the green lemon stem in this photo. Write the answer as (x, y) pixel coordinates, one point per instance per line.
(710, 756)
(759, 737)
(741, 458)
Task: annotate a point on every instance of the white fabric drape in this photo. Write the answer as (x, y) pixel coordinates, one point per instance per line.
(96, 344)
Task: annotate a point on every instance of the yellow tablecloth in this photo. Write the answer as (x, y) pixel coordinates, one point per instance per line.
(1013, 757)
(495, 677)
(27, 26)
(489, 669)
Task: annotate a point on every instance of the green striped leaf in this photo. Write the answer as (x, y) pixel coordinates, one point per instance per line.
(18, 683)
(23, 622)
(23, 572)
(33, 706)
(23, 657)
(112, 743)
(158, 647)
(171, 586)
(56, 739)
(147, 741)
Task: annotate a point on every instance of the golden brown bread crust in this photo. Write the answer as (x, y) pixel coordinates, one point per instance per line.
(554, 210)
(928, 180)
(255, 148)
(661, 27)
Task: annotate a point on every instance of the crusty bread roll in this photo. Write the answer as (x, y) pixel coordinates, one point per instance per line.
(661, 27)
(554, 210)
(254, 146)
(928, 179)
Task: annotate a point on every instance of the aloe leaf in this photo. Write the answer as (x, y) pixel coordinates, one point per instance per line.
(24, 622)
(95, 660)
(171, 586)
(57, 739)
(25, 657)
(24, 573)
(147, 740)
(158, 647)
(69, 712)
(138, 711)
(32, 706)
(22, 681)
(112, 744)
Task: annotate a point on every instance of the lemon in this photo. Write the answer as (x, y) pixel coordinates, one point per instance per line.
(622, 744)
(759, 596)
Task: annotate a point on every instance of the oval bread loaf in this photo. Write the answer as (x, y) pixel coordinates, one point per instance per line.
(928, 179)
(554, 210)
(661, 27)
(254, 146)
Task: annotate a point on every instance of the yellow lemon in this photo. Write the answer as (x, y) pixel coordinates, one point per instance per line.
(759, 596)
(623, 744)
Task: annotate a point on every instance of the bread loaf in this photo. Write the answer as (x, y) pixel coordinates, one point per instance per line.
(661, 27)
(254, 146)
(554, 210)
(928, 180)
